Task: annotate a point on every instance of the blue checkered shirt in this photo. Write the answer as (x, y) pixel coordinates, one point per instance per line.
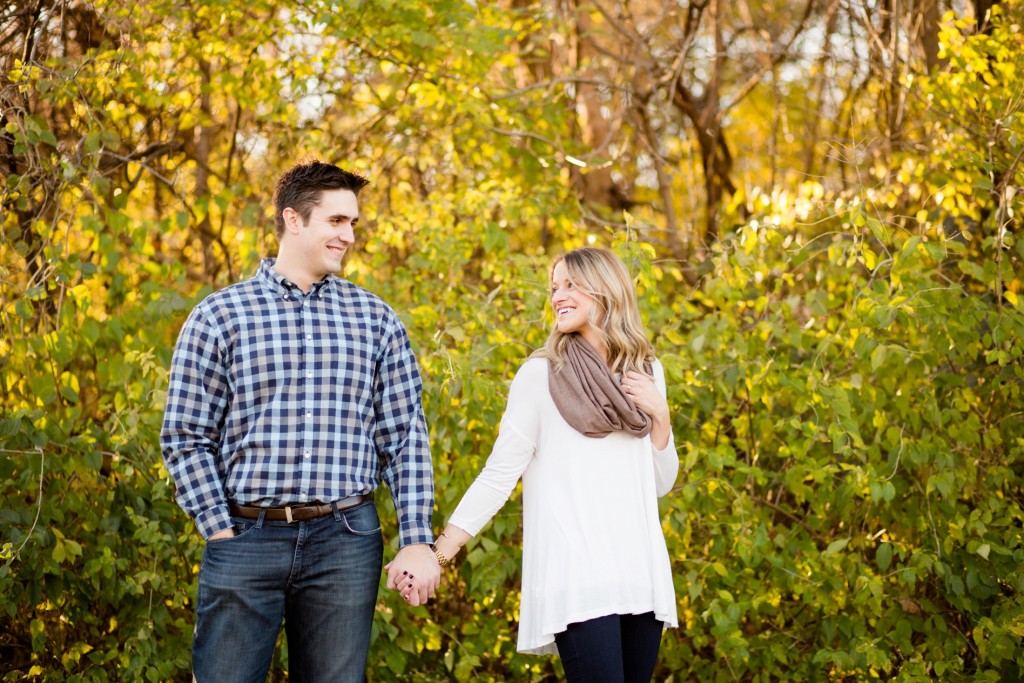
(279, 397)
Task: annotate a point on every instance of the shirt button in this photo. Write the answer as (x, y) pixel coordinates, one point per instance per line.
(309, 416)
(309, 337)
(309, 375)
(306, 454)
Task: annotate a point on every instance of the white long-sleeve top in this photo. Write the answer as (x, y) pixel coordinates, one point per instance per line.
(592, 538)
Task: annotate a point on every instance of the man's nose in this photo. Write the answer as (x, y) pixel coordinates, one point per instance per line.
(347, 233)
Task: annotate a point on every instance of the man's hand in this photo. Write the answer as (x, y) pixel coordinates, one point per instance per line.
(414, 573)
(223, 533)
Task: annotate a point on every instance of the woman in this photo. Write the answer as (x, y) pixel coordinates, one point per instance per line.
(587, 428)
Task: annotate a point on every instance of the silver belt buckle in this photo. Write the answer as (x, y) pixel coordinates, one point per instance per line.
(288, 513)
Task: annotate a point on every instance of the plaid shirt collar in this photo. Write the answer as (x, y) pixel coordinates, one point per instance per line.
(282, 286)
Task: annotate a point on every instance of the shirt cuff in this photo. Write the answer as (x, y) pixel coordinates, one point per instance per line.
(411, 533)
(213, 520)
(670, 446)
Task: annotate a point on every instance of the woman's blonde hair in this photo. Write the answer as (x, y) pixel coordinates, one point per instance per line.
(615, 316)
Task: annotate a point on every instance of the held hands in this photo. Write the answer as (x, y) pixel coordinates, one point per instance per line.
(414, 573)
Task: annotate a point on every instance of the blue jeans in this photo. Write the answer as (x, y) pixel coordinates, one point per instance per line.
(618, 648)
(320, 577)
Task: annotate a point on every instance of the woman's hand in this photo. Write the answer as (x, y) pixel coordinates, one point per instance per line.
(447, 546)
(641, 389)
(414, 573)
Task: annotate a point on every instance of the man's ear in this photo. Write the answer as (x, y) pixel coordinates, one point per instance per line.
(292, 220)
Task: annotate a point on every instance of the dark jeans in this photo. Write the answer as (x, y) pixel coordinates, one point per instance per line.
(320, 577)
(619, 648)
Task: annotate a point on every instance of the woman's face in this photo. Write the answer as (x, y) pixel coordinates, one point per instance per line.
(572, 307)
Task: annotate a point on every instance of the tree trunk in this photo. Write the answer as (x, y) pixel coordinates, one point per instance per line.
(595, 185)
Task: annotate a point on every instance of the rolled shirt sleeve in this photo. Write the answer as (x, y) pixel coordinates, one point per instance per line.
(197, 400)
(401, 438)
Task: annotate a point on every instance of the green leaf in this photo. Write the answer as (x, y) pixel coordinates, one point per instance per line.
(465, 667)
(883, 556)
(878, 357)
(395, 660)
(835, 546)
(877, 229)
(37, 628)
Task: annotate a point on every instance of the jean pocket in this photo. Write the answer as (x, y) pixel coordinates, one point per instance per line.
(242, 527)
(362, 520)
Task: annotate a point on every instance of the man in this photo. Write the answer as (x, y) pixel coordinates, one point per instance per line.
(292, 395)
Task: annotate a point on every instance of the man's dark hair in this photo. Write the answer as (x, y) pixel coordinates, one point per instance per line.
(301, 186)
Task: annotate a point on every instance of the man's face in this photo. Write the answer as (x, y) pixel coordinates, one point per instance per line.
(322, 240)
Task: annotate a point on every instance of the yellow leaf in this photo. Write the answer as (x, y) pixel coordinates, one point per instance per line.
(870, 260)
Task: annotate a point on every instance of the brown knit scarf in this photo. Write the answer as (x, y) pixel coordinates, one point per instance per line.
(589, 398)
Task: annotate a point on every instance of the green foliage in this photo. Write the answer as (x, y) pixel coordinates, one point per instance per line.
(98, 567)
(844, 367)
(856, 463)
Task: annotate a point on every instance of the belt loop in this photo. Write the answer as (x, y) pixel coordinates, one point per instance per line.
(259, 520)
(337, 512)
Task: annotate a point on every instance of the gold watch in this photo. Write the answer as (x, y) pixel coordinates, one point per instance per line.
(441, 559)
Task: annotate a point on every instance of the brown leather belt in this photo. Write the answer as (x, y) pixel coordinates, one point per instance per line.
(297, 513)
